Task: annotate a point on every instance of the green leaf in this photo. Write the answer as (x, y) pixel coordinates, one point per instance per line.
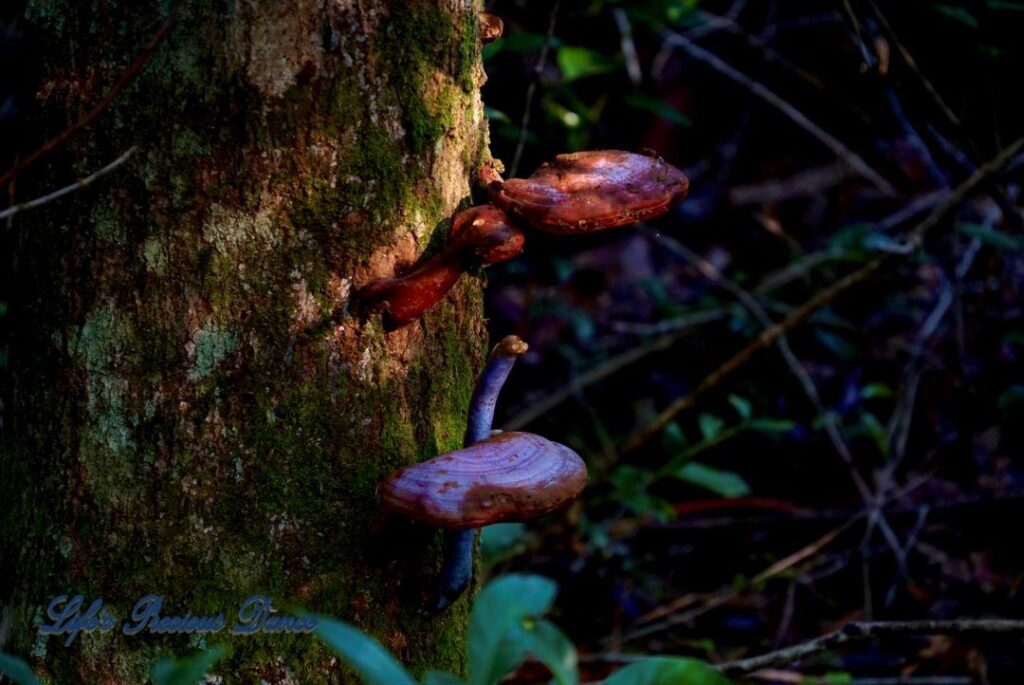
(657, 107)
(1012, 399)
(876, 391)
(187, 671)
(958, 14)
(723, 483)
(772, 425)
(502, 606)
(990, 236)
(517, 41)
(371, 661)
(710, 426)
(741, 406)
(838, 678)
(667, 671)
(546, 643)
(630, 478)
(837, 344)
(499, 538)
(656, 12)
(17, 670)
(563, 115)
(647, 505)
(497, 115)
(442, 678)
(876, 431)
(576, 63)
(672, 438)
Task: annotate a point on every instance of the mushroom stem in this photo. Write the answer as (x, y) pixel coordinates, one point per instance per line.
(485, 395)
(457, 565)
(480, 236)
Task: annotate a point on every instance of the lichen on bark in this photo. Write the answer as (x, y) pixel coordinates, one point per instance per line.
(171, 428)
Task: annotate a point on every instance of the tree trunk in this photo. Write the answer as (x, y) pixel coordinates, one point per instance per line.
(170, 427)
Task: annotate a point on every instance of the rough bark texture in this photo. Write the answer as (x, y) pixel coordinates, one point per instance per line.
(169, 428)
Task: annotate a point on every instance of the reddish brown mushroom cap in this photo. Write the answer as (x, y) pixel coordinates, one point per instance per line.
(591, 191)
(479, 236)
(488, 233)
(491, 27)
(508, 477)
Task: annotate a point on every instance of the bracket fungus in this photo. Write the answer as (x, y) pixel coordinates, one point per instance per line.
(479, 236)
(577, 193)
(508, 477)
(491, 27)
(505, 477)
(591, 191)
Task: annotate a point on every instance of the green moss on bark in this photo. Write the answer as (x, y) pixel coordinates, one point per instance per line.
(188, 438)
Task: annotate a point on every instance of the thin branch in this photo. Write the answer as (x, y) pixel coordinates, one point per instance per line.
(861, 630)
(818, 300)
(912, 64)
(766, 339)
(129, 74)
(80, 183)
(610, 366)
(750, 303)
(542, 59)
(628, 46)
(796, 116)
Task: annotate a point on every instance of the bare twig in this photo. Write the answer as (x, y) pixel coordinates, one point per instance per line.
(798, 315)
(669, 614)
(857, 34)
(129, 74)
(796, 116)
(750, 303)
(628, 46)
(860, 630)
(531, 90)
(598, 373)
(763, 341)
(80, 183)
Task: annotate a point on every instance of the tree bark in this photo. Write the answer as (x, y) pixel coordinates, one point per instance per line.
(170, 426)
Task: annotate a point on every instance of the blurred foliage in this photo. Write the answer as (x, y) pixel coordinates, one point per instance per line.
(915, 373)
(506, 627)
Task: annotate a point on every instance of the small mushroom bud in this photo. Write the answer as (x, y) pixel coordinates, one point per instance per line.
(591, 191)
(480, 236)
(491, 27)
(508, 477)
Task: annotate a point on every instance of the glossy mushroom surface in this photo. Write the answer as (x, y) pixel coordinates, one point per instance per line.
(508, 477)
(479, 236)
(590, 191)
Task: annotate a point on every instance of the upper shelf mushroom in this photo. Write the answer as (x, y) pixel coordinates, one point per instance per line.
(575, 194)
(479, 236)
(590, 191)
(508, 477)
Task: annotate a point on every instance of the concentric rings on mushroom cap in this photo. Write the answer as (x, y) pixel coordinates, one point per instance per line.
(591, 191)
(509, 477)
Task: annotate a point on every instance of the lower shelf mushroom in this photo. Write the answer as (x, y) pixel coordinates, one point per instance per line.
(505, 477)
(508, 477)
